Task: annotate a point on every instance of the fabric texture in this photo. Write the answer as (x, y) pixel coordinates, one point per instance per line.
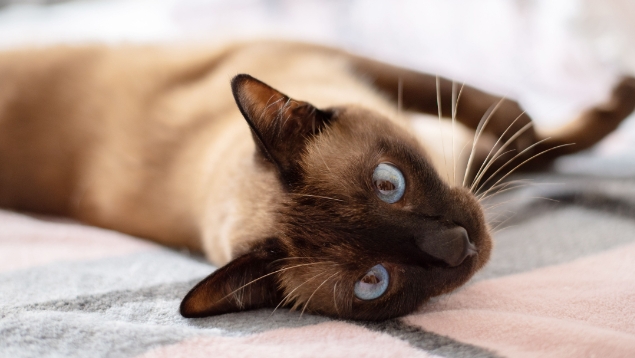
(561, 283)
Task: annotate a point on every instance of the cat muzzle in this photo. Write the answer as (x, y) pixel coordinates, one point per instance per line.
(451, 246)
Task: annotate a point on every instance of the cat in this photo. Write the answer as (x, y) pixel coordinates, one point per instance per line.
(332, 206)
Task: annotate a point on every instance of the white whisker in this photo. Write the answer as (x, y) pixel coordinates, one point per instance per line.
(269, 274)
(334, 298)
(317, 196)
(498, 231)
(504, 187)
(438, 82)
(453, 98)
(399, 96)
(499, 224)
(508, 162)
(455, 105)
(534, 156)
(307, 301)
(298, 258)
(284, 300)
(485, 165)
(479, 129)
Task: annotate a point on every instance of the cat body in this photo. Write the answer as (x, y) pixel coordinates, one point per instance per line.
(133, 138)
(153, 142)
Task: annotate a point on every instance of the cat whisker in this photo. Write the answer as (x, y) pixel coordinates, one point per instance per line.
(492, 161)
(438, 83)
(494, 230)
(297, 258)
(477, 134)
(455, 105)
(335, 298)
(503, 187)
(489, 157)
(498, 231)
(285, 299)
(269, 274)
(513, 181)
(532, 157)
(507, 163)
(503, 214)
(399, 96)
(506, 189)
(497, 205)
(322, 284)
(543, 198)
(453, 98)
(317, 196)
(522, 198)
(485, 165)
(462, 150)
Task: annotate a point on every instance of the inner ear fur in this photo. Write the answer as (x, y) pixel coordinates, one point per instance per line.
(281, 126)
(243, 284)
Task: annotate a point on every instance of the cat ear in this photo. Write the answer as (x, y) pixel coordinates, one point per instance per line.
(238, 286)
(281, 126)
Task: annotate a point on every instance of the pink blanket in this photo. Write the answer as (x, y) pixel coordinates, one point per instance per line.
(561, 283)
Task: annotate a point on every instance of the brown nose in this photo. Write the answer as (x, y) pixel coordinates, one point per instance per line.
(451, 246)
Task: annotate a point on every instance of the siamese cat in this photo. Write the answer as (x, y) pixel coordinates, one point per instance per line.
(326, 201)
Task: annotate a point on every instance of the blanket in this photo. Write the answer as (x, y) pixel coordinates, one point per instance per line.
(561, 283)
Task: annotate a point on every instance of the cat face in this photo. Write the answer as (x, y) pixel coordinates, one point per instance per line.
(367, 230)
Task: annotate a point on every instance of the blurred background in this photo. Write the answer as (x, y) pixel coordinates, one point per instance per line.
(554, 57)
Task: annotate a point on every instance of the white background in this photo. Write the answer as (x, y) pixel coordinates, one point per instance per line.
(554, 56)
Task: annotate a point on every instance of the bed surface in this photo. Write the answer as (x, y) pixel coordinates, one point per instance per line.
(561, 282)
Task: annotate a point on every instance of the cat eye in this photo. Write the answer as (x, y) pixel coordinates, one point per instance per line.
(389, 183)
(373, 284)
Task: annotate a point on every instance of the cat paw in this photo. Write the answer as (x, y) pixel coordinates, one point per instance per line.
(622, 101)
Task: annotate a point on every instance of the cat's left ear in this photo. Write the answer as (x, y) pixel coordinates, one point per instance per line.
(281, 126)
(243, 284)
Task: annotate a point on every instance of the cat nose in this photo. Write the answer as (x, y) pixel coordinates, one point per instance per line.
(451, 246)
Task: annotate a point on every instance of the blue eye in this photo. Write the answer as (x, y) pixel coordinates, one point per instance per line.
(373, 284)
(389, 183)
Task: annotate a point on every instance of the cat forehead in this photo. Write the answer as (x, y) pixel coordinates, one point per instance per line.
(359, 123)
(359, 139)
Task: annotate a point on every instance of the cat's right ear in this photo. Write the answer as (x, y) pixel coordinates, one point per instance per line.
(244, 283)
(281, 126)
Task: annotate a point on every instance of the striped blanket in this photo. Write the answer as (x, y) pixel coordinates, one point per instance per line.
(561, 283)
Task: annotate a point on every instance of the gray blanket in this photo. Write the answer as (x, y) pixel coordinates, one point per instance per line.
(72, 290)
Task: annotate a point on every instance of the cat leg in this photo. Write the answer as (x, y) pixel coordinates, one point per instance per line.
(503, 119)
(418, 92)
(593, 124)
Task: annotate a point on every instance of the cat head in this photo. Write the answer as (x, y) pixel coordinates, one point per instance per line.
(367, 229)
